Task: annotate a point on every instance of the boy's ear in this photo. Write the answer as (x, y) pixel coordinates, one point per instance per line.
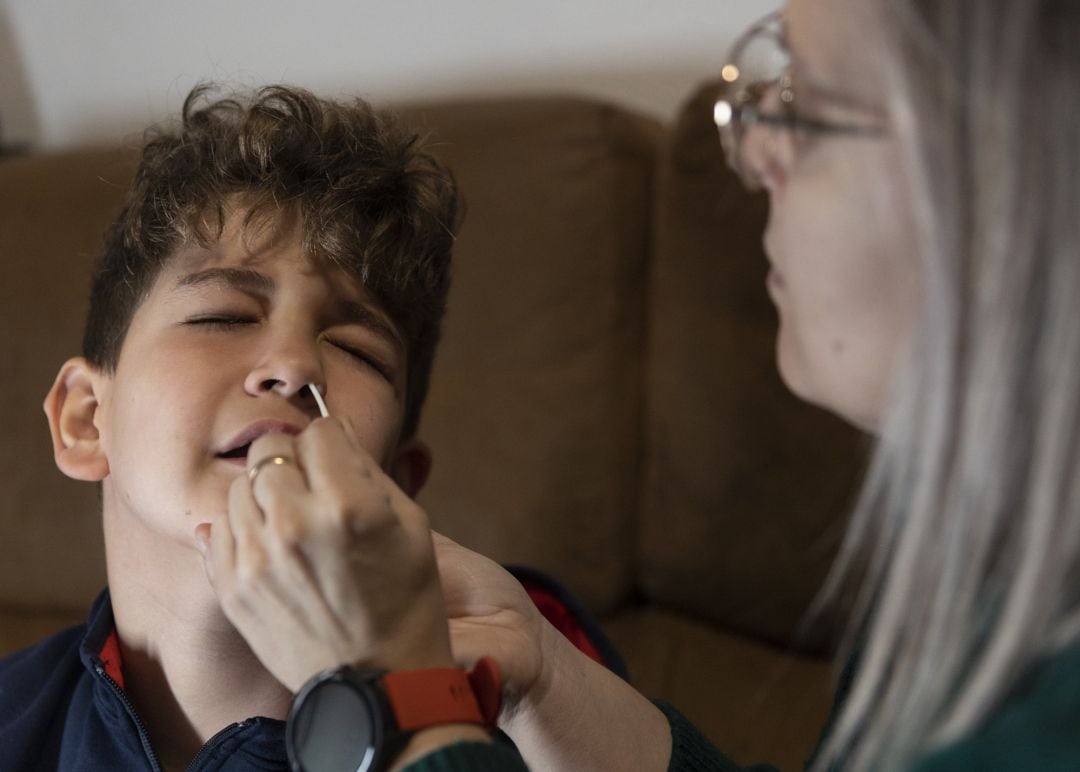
(411, 467)
(71, 406)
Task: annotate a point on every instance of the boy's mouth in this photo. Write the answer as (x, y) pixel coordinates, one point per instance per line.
(236, 449)
(240, 452)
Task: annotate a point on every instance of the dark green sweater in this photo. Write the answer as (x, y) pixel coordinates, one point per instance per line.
(1038, 728)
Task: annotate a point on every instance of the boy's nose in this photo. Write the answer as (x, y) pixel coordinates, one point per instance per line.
(285, 370)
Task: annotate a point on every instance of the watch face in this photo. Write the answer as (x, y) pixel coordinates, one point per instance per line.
(335, 729)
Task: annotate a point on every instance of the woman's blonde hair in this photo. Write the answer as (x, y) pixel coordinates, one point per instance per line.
(971, 511)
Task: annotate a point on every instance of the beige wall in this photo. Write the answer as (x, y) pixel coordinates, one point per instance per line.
(77, 71)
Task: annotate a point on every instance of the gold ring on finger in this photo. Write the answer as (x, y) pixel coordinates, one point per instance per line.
(268, 461)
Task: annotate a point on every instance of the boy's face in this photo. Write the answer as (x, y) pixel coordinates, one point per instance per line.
(221, 351)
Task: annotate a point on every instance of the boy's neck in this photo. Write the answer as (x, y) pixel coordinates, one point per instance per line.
(186, 669)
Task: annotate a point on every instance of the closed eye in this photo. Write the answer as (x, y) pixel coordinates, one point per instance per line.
(221, 321)
(364, 357)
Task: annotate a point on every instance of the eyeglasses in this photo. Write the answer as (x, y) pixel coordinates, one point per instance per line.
(759, 89)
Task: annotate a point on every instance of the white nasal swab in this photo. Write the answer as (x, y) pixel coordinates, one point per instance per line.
(318, 398)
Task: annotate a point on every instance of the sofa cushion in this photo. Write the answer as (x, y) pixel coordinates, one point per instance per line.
(20, 629)
(746, 488)
(534, 412)
(54, 211)
(754, 701)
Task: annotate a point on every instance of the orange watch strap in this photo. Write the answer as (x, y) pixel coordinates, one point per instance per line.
(486, 680)
(423, 698)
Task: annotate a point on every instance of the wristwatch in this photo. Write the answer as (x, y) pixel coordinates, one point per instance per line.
(360, 720)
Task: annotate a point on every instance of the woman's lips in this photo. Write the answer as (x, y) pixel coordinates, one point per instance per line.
(775, 280)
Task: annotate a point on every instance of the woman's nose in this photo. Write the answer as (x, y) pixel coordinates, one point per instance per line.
(762, 152)
(755, 155)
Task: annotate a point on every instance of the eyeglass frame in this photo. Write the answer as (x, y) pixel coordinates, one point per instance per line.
(734, 113)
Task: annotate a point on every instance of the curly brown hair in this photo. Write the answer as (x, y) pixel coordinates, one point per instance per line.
(370, 198)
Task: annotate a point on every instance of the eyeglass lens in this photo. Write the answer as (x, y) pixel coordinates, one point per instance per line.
(758, 61)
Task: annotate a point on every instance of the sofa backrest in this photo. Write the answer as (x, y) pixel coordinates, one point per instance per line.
(746, 488)
(52, 213)
(534, 413)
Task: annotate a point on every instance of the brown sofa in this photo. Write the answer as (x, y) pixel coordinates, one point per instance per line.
(605, 405)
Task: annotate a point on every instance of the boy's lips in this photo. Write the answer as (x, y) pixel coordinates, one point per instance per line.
(235, 449)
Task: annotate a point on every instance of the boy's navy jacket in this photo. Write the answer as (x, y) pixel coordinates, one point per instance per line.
(60, 709)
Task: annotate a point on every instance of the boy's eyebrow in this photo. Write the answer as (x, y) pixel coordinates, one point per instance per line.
(241, 278)
(248, 280)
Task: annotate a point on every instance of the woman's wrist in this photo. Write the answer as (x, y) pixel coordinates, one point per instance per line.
(522, 709)
(556, 725)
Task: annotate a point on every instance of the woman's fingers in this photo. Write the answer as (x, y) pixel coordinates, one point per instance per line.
(275, 467)
(218, 546)
(322, 559)
(352, 491)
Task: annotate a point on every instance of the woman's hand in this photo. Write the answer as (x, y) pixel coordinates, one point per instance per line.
(323, 560)
(563, 710)
(490, 614)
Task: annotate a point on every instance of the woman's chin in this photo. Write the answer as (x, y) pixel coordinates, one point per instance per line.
(791, 367)
(800, 381)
